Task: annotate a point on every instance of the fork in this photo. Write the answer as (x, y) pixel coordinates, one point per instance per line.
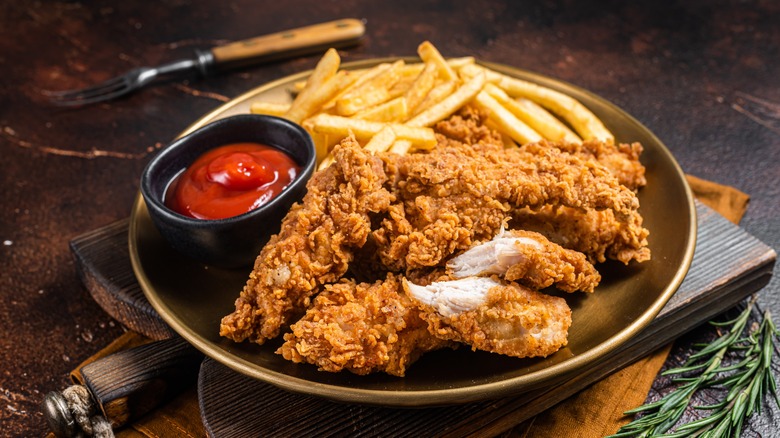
(289, 43)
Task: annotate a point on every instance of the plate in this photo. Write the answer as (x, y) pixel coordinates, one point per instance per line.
(192, 298)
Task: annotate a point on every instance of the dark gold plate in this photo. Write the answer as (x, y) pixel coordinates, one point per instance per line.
(192, 297)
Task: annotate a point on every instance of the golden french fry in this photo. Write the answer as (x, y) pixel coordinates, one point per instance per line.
(327, 91)
(320, 145)
(327, 161)
(401, 87)
(382, 141)
(429, 54)
(414, 69)
(269, 108)
(471, 70)
(587, 125)
(422, 85)
(391, 111)
(505, 139)
(533, 115)
(313, 94)
(297, 86)
(361, 77)
(436, 95)
(544, 121)
(421, 138)
(517, 130)
(372, 92)
(401, 147)
(449, 104)
(458, 63)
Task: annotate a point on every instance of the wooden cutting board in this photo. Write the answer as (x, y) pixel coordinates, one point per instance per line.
(728, 265)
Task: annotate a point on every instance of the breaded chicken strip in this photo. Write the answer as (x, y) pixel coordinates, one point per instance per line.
(622, 159)
(597, 234)
(600, 234)
(488, 315)
(314, 246)
(362, 328)
(529, 259)
(461, 193)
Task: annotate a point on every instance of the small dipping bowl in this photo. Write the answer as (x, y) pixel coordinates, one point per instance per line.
(235, 241)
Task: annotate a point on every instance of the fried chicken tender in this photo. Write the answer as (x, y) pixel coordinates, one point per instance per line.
(529, 259)
(461, 193)
(622, 160)
(597, 234)
(489, 315)
(314, 247)
(362, 328)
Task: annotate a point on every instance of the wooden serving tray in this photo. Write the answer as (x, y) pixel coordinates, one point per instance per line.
(728, 265)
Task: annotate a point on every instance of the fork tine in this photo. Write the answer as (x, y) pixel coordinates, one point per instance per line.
(105, 90)
(81, 100)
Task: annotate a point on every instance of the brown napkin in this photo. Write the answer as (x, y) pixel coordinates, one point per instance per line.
(593, 412)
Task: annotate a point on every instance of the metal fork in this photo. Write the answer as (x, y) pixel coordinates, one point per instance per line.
(275, 46)
(126, 83)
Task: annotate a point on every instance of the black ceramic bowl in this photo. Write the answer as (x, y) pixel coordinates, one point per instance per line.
(235, 241)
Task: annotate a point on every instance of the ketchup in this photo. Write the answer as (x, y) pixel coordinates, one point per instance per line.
(231, 180)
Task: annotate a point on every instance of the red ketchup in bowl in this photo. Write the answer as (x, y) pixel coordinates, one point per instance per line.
(231, 180)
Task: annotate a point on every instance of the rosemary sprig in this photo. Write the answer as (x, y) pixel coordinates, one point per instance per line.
(746, 383)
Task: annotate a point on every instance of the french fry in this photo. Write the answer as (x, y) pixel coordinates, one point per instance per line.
(587, 125)
(471, 70)
(414, 69)
(533, 115)
(382, 141)
(313, 95)
(429, 54)
(506, 121)
(436, 95)
(422, 85)
(505, 139)
(327, 161)
(321, 146)
(361, 77)
(458, 63)
(269, 108)
(402, 86)
(421, 138)
(391, 111)
(544, 121)
(401, 147)
(374, 91)
(449, 104)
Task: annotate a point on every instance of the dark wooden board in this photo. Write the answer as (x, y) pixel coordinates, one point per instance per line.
(728, 265)
(103, 263)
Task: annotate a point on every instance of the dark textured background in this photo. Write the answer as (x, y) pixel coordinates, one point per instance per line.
(704, 76)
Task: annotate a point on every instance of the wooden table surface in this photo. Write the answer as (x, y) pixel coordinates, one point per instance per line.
(704, 77)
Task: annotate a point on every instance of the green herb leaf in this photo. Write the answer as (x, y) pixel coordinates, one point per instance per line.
(746, 383)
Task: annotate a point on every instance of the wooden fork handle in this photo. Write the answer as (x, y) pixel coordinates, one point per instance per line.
(293, 42)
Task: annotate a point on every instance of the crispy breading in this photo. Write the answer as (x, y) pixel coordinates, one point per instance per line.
(314, 247)
(622, 159)
(597, 234)
(362, 328)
